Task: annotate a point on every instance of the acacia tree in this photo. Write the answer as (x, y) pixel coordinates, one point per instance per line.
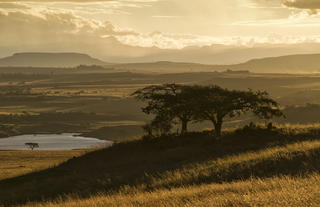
(186, 103)
(215, 104)
(32, 145)
(167, 102)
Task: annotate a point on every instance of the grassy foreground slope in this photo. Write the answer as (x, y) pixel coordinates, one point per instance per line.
(180, 171)
(276, 192)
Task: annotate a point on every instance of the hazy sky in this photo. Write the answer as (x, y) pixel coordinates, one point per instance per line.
(118, 27)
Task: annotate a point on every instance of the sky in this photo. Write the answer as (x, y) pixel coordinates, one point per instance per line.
(154, 30)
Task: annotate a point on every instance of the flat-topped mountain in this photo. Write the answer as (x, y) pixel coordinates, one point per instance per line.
(49, 60)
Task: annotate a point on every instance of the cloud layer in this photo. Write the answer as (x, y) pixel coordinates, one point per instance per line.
(12, 6)
(152, 30)
(302, 4)
(84, 1)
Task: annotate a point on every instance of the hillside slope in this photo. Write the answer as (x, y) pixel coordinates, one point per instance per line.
(275, 192)
(172, 162)
(308, 63)
(49, 60)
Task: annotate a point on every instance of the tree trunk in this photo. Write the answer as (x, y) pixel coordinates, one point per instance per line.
(184, 126)
(217, 127)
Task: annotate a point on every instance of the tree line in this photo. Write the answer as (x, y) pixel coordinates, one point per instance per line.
(181, 104)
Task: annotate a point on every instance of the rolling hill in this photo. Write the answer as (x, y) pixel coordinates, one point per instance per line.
(49, 60)
(165, 67)
(301, 63)
(308, 63)
(284, 64)
(267, 166)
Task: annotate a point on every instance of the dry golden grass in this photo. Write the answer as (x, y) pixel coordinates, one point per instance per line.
(284, 172)
(228, 166)
(278, 191)
(15, 163)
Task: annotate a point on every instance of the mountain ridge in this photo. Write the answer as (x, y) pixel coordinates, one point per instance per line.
(286, 63)
(298, 63)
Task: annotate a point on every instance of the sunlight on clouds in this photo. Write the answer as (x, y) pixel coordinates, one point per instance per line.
(302, 4)
(176, 41)
(295, 19)
(138, 27)
(13, 6)
(64, 20)
(167, 17)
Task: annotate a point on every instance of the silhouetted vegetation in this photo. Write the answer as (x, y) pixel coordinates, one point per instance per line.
(32, 145)
(171, 103)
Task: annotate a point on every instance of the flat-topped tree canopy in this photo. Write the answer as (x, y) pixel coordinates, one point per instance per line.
(32, 145)
(215, 103)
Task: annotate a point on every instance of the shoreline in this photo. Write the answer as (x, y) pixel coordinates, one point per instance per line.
(53, 142)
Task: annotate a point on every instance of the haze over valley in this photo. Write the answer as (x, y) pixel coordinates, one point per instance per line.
(298, 63)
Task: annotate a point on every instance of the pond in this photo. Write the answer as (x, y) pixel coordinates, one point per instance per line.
(66, 141)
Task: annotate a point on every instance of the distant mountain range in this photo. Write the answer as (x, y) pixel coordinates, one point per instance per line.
(309, 63)
(284, 64)
(49, 60)
(306, 63)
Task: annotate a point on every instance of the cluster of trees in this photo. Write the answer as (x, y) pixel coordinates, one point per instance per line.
(181, 104)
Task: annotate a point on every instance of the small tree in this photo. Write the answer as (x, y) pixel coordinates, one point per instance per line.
(32, 145)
